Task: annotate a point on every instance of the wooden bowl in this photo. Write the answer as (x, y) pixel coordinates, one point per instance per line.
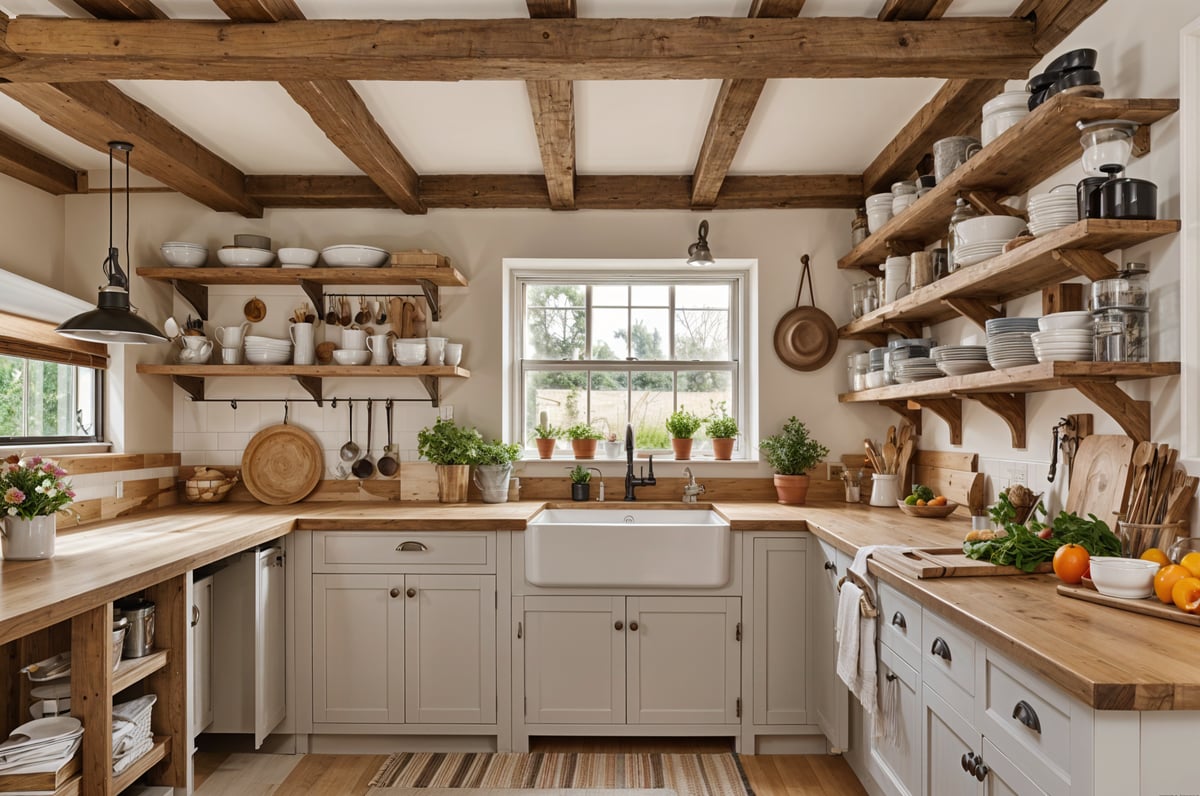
(935, 512)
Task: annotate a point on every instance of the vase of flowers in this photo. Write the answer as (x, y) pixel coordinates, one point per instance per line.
(33, 493)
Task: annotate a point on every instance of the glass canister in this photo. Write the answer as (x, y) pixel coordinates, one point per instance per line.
(1126, 291)
(1121, 335)
(962, 211)
(857, 292)
(862, 366)
(858, 227)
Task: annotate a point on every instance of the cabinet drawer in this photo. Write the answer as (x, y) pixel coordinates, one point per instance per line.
(1029, 720)
(948, 663)
(900, 624)
(387, 551)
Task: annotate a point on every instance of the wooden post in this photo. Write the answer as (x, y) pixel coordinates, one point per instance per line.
(172, 631)
(1064, 297)
(92, 693)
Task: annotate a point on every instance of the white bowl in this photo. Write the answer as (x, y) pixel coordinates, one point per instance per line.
(253, 340)
(297, 257)
(876, 379)
(184, 255)
(1075, 319)
(354, 256)
(1130, 578)
(1007, 101)
(351, 356)
(268, 357)
(988, 228)
(243, 257)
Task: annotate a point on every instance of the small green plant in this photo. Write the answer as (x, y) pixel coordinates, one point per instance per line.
(682, 424)
(583, 431)
(792, 451)
(547, 432)
(580, 475)
(449, 443)
(497, 452)
(719, 425)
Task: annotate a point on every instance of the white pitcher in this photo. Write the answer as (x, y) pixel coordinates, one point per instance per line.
(304, 351)
(378, 345)
(231, 336)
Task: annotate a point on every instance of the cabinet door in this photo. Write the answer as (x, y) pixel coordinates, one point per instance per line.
(202, 640)
(683, 660)
(780, 608)
(270, 664)
(358, 648)
(574, 660)
(450, 649)
(828, 695)
(948, 737)
(900, 755)
(1003, 777)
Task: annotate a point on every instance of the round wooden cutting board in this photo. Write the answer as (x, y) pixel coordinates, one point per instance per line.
(282, 464)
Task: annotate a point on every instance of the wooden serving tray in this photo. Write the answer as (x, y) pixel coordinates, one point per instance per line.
(1150, 606)
(944, 562)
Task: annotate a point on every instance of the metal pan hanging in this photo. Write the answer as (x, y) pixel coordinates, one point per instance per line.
(805, 337)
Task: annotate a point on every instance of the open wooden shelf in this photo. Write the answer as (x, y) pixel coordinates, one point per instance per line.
(973, 290)
(1020, 158)
(162, 745)
(192, 283)
(71, 787)
(133, 670)
(1003, 392)
(190, 378)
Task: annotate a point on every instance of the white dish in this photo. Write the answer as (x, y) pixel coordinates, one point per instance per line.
(1077, 319)
(988, 228)
(242, 257)
(184, 255)
(963, 368)
(1128, 578)
(351, 356)
(297, 257)
(354, 256)
(268, 357)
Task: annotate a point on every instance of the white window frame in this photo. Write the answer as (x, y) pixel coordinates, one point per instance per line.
(1189, 280)
(743, 341)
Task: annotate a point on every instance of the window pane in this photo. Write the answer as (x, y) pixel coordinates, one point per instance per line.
(649, 334)
(695, 297)
(651, 295)
(610, 339)
(554, 322)
(702, 334)
(652, 402)
(554, 398)
(610, 296)
(610, 402)
(45, 399)
(12, 397)
(701, 390)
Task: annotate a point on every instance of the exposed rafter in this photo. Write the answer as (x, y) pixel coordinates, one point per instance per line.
(121, 9)
(341, 114)
(913, 9)
(61, 50)
(30, 166)
(730, 116)
(1055, 19)
(553, 106)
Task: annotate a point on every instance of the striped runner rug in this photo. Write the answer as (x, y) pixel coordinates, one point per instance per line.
(686, 774)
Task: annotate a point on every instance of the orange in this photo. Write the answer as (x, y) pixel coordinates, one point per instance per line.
(1186, 594)
(940, 500)
(1166, 579)
(1191, 562)
(921, 502)
(1157, 556)
(1071, 562)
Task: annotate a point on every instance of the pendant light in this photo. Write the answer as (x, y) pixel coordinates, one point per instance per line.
(698, 253)
(113, 320)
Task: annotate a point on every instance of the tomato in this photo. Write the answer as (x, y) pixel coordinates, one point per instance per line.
(1046, 533)
(1071, 561)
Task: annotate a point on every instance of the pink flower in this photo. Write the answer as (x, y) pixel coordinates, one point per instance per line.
(14, 496)
(71, 493)
(35, 461)
(48, 467)
(60, 472)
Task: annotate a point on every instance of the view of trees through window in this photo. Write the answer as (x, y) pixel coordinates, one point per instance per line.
(608, 354)
(46, 400)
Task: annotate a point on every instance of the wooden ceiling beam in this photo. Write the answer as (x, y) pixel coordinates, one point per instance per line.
(121, 9)
(32, 167)
(341, 113)
(67, 50)
(96, 113)
(592, 192)
(1055, 19)
(730, 117)
(913, 9)
(553, 105)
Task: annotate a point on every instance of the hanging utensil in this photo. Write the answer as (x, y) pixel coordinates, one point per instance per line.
(255, 310)
(365, 467)
(349, 451)
(387, 462)
(382, 313)
(363, 317)
(344, 315)
(331, 316)
(806, 337)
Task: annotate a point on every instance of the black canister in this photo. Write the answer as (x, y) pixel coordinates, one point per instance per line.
(1087, 195)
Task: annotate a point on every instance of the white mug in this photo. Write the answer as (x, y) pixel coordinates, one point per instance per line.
(435, 350)
(304, 350)
(354, 339)
(377, 344)
(231, 356)
(409, 350)
(453, 355)
(231, 336)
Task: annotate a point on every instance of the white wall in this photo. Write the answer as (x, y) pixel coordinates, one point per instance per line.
(34, 232)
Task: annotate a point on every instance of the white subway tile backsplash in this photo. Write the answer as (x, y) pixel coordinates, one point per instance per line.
(246, 417)
(308, 415)
(220, 417)
(191, 416)
(201, 442)
(233, 440)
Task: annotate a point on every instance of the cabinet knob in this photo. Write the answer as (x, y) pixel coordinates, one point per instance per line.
(395, 592)
(633, 626)
(899, 621)
(966, 762)
(619, 625)
(981, 770)
(195, 615)
(1024, 713)
(891, 676)
(831, 567)
(411, 592)
(941, 649)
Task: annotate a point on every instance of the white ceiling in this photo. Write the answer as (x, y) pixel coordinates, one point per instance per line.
(622, 127)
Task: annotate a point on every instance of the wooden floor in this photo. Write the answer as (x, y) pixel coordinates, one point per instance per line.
(348, 775)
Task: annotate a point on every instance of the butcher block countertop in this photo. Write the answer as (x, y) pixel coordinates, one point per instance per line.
(1107, 658)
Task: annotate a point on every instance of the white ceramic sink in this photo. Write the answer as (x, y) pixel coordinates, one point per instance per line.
(603, 548)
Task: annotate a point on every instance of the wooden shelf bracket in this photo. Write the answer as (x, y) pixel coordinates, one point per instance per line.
(976, 310)
(948, 409)
(316, 294)
(430, 383)
(910, 413)
(312, 386)
(989, 204)
(431, 297)
(1086, 262)
(905, 328)
(1011, 409)
(192, 385)
(1131, 415)
(195, 294)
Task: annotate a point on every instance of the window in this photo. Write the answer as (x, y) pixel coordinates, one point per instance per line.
(607, 349)
(44, 401)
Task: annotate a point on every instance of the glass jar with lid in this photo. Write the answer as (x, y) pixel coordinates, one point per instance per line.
(858, 227)
(962, 211)
(1126, 291)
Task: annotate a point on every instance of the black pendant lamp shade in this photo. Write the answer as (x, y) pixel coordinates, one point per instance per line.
(113, 320)
(698, 253)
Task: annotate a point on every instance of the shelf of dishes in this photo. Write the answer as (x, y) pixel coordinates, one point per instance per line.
(1034, 148)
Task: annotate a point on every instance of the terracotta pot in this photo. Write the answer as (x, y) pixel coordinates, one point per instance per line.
(791, 489)
(682, 448)
(452, 482)
(545, 447)
(584, 448)
(723, 448)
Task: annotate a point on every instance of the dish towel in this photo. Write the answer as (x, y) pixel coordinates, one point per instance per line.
(855, 636)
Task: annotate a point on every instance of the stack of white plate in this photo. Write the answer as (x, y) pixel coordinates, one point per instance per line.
(267, 350)
(971, 253)
(1009, 344)
(1054, 210)
(915, 369)
(1063, 345)
(959, 360)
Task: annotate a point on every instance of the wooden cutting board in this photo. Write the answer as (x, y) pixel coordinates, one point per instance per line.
(1099, 476)
(1151, 606)
(282, 464)
(943, 562)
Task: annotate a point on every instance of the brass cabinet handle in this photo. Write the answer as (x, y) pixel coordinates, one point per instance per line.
(411, 547)
(411, 592)
(195, 615)
(941, 649)
(1024, 713)
(395, 592)
(619, 625)
(899, 621)
(633, 626)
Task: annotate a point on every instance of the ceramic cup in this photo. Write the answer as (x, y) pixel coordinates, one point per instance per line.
(950, 153)
(231, 336)
(304, 349)
(354, 339)
(453, 354)
(435, 350)
(231, 356)
(377, 344)
(409, 352)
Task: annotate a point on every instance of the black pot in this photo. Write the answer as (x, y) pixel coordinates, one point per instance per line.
(1082, 77)
(1129, 198)
(1088, 197)
(1075, 59)
(580, 491)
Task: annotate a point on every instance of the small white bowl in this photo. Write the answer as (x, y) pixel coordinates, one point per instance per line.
(986, 229)
(243, 257)
(351, 356)
(1076, 319)
(351, 255)
(296, 257)
(1129, 578)
(184, 255)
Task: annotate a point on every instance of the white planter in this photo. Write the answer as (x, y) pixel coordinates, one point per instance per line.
(492, 480)
(28, 540)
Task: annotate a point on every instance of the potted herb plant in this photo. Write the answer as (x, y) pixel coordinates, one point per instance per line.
(493, 469)
(453, 448)
(545, 437)
(682, 425)
(33, 493)
(612, 446)
(722, 430)
(580, 483)
(583, 440)
(791, 454)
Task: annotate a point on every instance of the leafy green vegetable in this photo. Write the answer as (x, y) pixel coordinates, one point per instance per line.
(922, 492)
(1022, 548)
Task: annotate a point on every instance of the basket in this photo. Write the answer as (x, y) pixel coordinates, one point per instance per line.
(935, 512)
(207, 490)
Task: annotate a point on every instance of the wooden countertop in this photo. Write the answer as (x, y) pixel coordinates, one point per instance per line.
(1107, 658)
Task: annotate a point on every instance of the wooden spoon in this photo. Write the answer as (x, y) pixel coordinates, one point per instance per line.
(1181, 500)
(873, 456)
(890, 454)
